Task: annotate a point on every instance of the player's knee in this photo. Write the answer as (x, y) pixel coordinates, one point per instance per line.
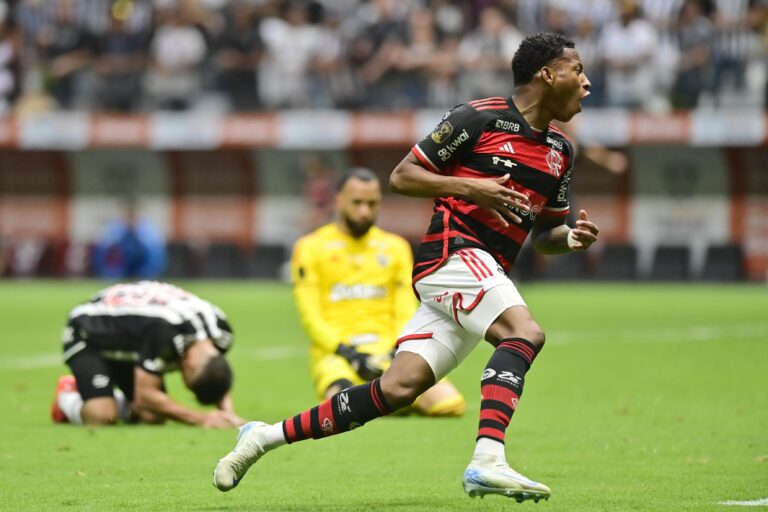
(536, 336)
(399, 394)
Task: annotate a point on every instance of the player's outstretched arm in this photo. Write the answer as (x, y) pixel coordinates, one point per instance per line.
(411, 178)
(553, 236)
(152, 400)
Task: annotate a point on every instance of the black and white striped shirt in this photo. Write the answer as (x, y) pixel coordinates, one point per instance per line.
(148, 323)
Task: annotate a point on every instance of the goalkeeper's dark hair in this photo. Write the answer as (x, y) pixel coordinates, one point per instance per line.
(535, 52)
(213, 382)
(359, 173)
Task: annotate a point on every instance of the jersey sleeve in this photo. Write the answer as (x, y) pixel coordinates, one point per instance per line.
(558, 204)
(404, 299)
(307, 287)
(452, 139)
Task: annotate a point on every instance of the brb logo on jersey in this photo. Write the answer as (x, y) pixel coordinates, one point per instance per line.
(442, 132)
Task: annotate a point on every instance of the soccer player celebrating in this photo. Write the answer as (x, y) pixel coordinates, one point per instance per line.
(121, 343)
(498, 171)
(353, 291)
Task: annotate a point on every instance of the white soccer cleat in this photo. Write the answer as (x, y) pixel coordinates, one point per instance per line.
(494, 476)
(249, 448)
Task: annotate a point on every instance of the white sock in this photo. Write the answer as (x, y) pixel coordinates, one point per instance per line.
(486, 447)
(71, 403)
(123, 407)
(274, 435)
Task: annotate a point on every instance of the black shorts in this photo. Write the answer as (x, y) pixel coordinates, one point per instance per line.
(96, 377)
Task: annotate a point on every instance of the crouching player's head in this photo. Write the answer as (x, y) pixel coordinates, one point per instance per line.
(206, 373)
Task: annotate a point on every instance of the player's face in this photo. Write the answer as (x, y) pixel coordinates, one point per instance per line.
(358, 205)
(570, 85)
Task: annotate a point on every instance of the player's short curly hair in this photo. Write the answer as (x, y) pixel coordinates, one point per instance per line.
(534, 53)
(213, 381)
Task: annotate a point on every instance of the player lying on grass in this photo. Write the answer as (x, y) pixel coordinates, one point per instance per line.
(121, 343)
(352, 282)
(498, 171)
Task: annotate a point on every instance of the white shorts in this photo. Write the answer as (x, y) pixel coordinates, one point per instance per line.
(459, 302)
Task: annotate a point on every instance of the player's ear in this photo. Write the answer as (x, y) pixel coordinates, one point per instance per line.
(547, 74)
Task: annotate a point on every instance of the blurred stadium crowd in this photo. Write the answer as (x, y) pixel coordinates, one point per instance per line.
(145, 55)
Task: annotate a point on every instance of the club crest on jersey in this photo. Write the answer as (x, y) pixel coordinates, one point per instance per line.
(442, 132)
(555, 162)
(382, 259)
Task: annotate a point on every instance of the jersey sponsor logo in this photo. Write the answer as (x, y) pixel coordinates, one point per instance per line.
(340, 292)
(446, 152)
(442, 132)
(532, 213)
(100, 381)
(504, 161)
(555, 143)
(562, 192)
(509, 126)
(507, 148)
(555, 162)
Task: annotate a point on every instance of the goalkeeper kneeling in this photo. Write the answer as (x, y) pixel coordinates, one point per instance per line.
(352, 282)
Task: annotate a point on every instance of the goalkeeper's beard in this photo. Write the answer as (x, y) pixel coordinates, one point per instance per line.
(357, 229)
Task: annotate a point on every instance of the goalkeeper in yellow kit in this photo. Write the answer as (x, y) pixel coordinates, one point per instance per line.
(353, 291)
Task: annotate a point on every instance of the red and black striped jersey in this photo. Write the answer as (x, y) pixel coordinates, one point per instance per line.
(489, 138)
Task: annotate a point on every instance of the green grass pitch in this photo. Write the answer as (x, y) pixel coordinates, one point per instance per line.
(647, 397)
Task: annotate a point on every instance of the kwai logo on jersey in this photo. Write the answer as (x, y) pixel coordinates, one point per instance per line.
(555, 162)
(446, 152)
(442, 132)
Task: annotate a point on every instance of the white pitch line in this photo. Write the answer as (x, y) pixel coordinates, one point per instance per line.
(754, 503)
(665, 335)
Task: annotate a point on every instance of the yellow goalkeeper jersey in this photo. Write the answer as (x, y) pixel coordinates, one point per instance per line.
(355, 291)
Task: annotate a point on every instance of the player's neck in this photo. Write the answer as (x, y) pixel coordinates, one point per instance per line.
(529, 103)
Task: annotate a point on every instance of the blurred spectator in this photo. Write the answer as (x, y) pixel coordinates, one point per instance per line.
(65, 48)
(236, 55)
(694, 31)
(415, 57)
(628, 45)
(294, 51)
(587, 40)
(734, 43)
(121, 59)
(9, 50)
(177, 53)
(363, 54)
(131, 247)
(375, 49)
(486, 55)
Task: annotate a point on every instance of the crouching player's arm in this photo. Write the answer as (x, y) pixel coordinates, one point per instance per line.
(153, 405)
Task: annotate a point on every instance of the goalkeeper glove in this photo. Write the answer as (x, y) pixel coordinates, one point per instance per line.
(365, 365)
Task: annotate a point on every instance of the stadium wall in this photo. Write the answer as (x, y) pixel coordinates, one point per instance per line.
(694, 180)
